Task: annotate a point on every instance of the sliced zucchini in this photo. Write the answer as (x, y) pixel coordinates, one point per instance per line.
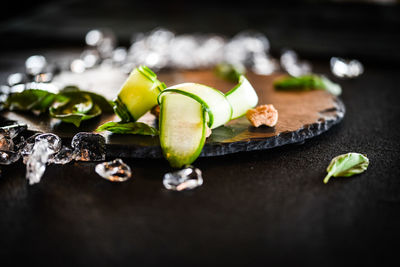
(182, 128)
(219, 109)
(138, 94)
(242, 98)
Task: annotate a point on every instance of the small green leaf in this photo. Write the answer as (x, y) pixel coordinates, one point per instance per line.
(230, 72)
(75, 118)
(33, 99)
(72, 91)
(78, 108)
(307, 83)
(128, 128)
(346, 165)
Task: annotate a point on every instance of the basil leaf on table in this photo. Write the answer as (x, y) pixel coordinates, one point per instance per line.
(33, 99)
(307, 83)
(346, 165)
(128, 128)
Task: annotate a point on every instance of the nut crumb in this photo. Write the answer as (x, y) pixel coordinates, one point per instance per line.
(263, 115)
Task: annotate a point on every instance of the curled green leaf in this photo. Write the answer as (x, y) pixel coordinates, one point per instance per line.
(78, 108)
(346, 165)
(75, 118)
(307, 83)
(72, 91)
(128, 128)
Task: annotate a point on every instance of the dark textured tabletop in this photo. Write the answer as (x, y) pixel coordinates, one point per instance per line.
(267, 207)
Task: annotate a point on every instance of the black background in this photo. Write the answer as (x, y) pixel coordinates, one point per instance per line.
(266, 207)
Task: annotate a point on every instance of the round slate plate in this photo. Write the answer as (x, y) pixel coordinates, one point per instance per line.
(302, 115)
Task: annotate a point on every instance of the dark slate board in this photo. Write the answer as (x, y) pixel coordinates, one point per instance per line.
(302, 115)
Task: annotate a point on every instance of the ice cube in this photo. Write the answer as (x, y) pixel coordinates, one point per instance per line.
(53, 141)
(185, 179)
(18, 88)
(159, 40)
(262, 64)
(64, 156)
(3, 100)
(8, 157)
(16, 78)
(210, 51)
(94, 37)
(182, 51)
(292, 65)
(6, 143)
(37, 160)
(90, 58)
(107, 43)
(49, 87)
(346, 68)
(119, 55)
(78, 66)
(89, 147)
(35, 64)
(25, 147)
(12, 129)
(241, 47)
(5, 90)
(114, 171)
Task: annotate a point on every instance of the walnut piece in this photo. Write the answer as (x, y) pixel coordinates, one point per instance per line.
(263, 115)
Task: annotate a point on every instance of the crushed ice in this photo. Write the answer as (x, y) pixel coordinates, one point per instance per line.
(89, 147)
(114, 171)
(346, 68)
(185, 179)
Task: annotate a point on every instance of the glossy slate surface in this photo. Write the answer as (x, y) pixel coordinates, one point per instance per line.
(302, 115)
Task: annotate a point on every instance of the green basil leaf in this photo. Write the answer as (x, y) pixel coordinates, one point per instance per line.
(33, 99)
(77, 103)
(61, 112)
(128, 128)
(230, 72)
(105, 105)
(308, 82)
(346, 165)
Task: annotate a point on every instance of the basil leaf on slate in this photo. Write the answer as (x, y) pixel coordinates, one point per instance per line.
(346, 165)
(105, 105)
(308, 82)
(33, 99)
(78, 108)
(65, 114)
(128, 128)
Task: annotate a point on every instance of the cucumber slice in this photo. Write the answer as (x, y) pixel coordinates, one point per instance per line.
(242, 98)
(182, 128)
(194, 97)
(219, 109)
(138, 94)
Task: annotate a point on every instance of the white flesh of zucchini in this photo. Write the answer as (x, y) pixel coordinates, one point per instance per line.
(182, 129)
(215, 99)
(242, 98)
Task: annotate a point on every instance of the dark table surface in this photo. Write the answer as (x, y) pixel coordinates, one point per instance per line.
(266, 207)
